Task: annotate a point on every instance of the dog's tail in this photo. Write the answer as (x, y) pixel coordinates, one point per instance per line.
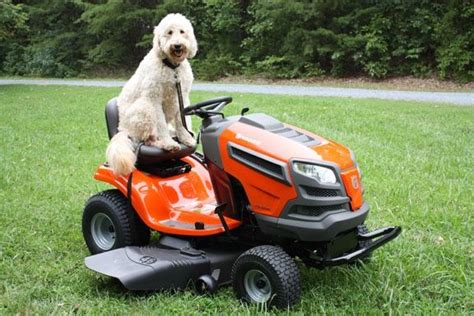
(120, 154)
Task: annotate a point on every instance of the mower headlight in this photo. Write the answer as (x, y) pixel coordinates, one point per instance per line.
(321, 174)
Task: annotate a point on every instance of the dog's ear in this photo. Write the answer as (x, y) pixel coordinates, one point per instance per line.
(193, 46)
(156, 42)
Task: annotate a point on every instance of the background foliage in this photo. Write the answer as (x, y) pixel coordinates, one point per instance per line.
(278, 38)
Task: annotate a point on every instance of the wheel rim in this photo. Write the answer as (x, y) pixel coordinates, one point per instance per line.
(103, 231)
(258, 286)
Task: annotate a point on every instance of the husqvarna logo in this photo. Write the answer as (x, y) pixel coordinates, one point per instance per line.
(247, 139)
(148, 260)
(355, 182)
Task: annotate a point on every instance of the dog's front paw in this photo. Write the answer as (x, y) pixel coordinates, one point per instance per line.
(188, 141)
(151, 141)
(168, 145)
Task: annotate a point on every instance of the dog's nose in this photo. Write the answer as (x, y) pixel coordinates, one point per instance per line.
(177, 46)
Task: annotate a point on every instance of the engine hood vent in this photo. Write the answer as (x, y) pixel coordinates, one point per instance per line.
(272, 125)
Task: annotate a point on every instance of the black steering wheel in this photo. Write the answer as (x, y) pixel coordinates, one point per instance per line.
(208, 105)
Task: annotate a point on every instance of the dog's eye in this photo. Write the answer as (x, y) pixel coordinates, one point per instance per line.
(181, 31)
(170, 33)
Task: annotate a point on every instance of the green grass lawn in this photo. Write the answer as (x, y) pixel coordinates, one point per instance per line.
(418, 166)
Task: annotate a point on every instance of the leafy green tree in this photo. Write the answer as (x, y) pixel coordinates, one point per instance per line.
(52, 45)
(116, 31)
(13, 22)
(12, 19)
(455, 42)
(274, 38)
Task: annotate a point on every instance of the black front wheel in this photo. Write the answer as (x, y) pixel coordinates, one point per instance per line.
(108, 223)
(266, 275)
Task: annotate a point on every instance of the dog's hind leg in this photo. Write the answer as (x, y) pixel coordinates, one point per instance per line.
(146, 122)
(163, 136)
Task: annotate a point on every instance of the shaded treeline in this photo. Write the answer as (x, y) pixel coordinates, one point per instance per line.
(278, 39)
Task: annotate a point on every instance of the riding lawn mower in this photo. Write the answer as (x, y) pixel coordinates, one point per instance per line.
(262, 196)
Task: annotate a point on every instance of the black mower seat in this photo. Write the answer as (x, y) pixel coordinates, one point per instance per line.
(147, 155)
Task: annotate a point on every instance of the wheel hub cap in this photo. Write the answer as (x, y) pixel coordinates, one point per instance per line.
(103, 231)
(258, 286)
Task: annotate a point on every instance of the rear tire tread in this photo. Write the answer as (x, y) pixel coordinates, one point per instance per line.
(133, 232)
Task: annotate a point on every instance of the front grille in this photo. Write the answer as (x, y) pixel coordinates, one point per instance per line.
(320, 192)
(259, 162)
(316, 210)
(271, 167)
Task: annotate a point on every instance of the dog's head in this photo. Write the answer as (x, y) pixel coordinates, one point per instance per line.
(174, 38)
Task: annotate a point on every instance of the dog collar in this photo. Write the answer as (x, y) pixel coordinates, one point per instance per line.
(168, 63)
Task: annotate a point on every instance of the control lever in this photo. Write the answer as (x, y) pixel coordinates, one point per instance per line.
(219, 211)
(244, 110)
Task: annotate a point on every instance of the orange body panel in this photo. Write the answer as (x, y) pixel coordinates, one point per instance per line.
(268, 196)
(172, 205)
(351, 179)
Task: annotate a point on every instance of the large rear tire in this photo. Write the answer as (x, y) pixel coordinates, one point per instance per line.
(266, 275)
(109, 223)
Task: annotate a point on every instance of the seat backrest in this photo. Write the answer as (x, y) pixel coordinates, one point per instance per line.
(146, 155)
(112, 117)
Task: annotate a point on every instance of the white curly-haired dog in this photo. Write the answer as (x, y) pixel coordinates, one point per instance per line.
(149, 101)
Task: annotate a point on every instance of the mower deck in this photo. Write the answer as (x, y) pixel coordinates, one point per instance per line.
(155, 268)
(173, 263)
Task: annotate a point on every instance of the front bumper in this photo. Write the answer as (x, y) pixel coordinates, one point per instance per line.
(384, 235)
(327, 228)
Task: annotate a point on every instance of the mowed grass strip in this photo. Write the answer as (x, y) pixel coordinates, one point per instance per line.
(417, 163)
